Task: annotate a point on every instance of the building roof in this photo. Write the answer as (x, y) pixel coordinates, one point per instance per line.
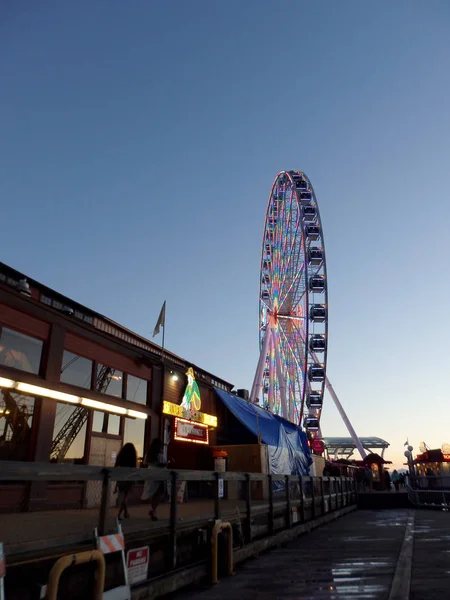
(347, 442)
(55, 301)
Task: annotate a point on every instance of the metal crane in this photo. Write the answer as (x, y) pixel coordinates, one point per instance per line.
(14, 439)
(69, 431)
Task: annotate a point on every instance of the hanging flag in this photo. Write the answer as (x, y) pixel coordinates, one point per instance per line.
(161, 320)
(405, 444)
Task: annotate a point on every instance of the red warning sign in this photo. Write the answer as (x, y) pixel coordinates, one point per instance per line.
(137, 564)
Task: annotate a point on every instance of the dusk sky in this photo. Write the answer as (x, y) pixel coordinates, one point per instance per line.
(138, 145)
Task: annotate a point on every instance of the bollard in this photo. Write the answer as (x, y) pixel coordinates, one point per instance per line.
(2, 573)
(76, 559)
(217, 528)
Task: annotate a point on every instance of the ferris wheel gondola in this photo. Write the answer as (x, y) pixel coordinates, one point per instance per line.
(293, 305)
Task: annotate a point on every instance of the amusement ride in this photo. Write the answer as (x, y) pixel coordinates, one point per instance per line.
(291, 378)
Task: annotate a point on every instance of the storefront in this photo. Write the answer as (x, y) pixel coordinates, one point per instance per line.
(433, 462)
(76, 386)
(190, 421)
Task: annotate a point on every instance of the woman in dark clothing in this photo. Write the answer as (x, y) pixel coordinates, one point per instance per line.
(154, 489)
(127, 457)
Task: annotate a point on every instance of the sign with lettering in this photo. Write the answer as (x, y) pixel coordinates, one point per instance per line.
(137, 564)
(176, 410)
(189, 431)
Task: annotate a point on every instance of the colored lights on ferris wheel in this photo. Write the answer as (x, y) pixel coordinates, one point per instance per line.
(290, 380)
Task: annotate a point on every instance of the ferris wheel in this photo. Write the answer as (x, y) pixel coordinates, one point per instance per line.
(293, 308)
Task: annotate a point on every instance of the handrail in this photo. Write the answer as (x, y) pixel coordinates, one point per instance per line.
(77, 559)
(27, 471)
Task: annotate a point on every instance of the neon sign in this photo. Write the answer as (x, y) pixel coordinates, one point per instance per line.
(188, 431)
(175, 410)
(191, 399)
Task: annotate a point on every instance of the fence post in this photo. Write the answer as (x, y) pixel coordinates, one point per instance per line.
(302, 500)
(313, 499)
(288, 501)
(271, 524)
(342, 483)
(216, 497)
(104, 502)
(248, 505)
(322, 492)
(173, 520)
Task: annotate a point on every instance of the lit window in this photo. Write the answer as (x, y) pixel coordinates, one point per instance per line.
(16, 416)
(69, 434)
(20, 351)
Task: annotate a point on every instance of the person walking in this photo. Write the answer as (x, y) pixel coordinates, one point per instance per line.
(153, 489)
(127, 457)
(387, 480)
(368, 478)
(396, 479)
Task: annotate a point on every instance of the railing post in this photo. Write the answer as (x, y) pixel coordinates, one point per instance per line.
(271, 523)
(302, 500)
(322, 492)
(248, 505)
(288, 501)
(104, 502)
(173, 520)
(216, 497)
(313, 499)
(342, 483)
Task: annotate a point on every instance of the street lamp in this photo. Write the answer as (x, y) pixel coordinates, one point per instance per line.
(409, 458)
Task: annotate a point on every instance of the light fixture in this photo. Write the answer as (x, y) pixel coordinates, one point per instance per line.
(37, 390)
(6, 383)
(27, 388)
(103, 406)
(174, 376)
(23, 287)
(136, 414)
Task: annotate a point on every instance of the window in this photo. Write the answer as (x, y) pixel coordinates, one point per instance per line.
(136, 389)
(73, 452)
(20, 351)
(16, 417)
(106, 423)
(98, 420)
(76, 370)
(134, 433)
(113, 424)
(109, 381)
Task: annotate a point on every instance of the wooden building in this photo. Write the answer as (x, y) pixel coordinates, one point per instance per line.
(75, 386)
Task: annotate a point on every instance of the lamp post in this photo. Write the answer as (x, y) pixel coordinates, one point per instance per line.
(409, 458)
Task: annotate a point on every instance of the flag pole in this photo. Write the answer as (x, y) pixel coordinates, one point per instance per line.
(164, 333)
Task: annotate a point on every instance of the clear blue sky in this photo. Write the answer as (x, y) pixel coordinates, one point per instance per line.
(138, 144)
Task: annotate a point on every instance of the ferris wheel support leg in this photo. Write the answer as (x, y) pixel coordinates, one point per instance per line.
(346, 420)
(257, 382)
(271, 374)
(281, 380)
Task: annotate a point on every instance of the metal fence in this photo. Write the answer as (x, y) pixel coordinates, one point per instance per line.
(430, 492)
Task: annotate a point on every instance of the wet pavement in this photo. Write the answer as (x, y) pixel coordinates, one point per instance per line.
(365, 555)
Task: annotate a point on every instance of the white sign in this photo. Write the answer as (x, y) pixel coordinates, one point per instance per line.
(137, 564)
(220, 488)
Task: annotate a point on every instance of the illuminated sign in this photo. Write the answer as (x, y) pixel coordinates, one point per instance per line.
(176, 410)
(188, 431)
(191, 399)
(446, 456)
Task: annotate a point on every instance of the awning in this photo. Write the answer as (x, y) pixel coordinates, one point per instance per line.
(275, 431)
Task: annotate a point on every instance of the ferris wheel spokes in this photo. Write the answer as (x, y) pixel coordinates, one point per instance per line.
(280, 377)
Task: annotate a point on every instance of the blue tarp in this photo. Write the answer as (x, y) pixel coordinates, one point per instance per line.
(289, 452)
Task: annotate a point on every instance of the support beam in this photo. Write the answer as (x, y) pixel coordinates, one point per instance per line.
(257, 382)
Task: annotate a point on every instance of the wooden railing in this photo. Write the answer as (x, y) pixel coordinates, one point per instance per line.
(269, 503)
